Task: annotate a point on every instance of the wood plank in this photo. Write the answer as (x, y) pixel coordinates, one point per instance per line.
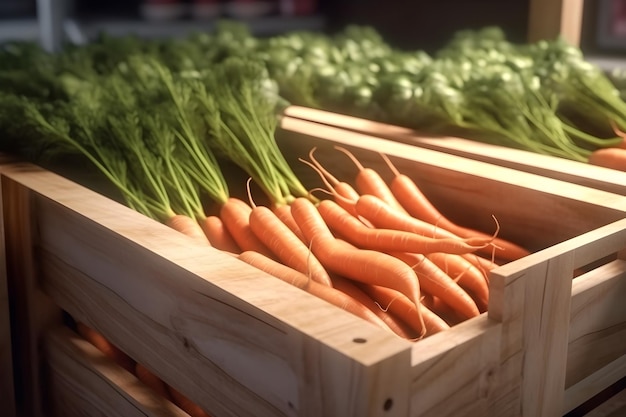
(208, 322)
(462, 364)
(34, 311)
(597, 332)
(551, 18)
(536, 325)
(546, 165)
(82, 382)
(594, 383)
(615, 406)
(7, 388)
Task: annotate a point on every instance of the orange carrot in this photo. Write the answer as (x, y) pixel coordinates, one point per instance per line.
(218, 235)
(285, 245)
(418, 205)
(396, 325)
(152, 381)
(442, 310)
(424, 321)
(283, 212)
(235, 214)
(369, 181)
(620, 133)
(188, 226)
(436, 282)
(185, 404)
(105, 346)
(382, 216)
(387, 240)
(362, 265)
(466, 274)
(344, 192)
(298, 279)
(614, 158)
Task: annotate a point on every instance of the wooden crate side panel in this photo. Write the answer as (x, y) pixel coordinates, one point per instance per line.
(595, 383)
(33, 311)
(177, 311)
(82, 382)
(532, 298)
(457, 372)
(598, 321)
(535, 326)
(549, 166)
(7, 388)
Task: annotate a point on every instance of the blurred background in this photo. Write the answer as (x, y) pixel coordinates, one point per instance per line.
(405, 24)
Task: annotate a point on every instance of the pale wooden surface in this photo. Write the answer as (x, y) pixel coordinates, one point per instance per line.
(7, 389)
(33, 310)
(598, 320)
(465, 362)
(82, 382)
(550, 166)
(525, 328)
(551, 18)
(234, 340)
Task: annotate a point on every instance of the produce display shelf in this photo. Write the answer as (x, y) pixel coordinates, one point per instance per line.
(239, 342)
(545, 165)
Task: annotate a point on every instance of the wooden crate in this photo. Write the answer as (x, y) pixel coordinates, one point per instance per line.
(239, 342)
(549, 166)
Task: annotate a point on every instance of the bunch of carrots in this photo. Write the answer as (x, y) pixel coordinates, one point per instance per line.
(380, 251)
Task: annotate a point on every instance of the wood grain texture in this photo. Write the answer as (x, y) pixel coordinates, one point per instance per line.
(7, 388)
(234, 340)
(83, 382)
(462, 364)
(605, 179)
(597, 332)
(549, 19)
(32, 310)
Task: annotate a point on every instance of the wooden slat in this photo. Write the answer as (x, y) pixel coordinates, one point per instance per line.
(605, 179)
(613, 407)
(551, 18)
(226, 334)
(594, 383)
(32, 310)
(7, 389)
(82, 382)
(463, 364)
(597, 332)
(533, 305)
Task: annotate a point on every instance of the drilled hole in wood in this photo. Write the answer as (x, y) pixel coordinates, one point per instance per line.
(388, 404)
(359, 340)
